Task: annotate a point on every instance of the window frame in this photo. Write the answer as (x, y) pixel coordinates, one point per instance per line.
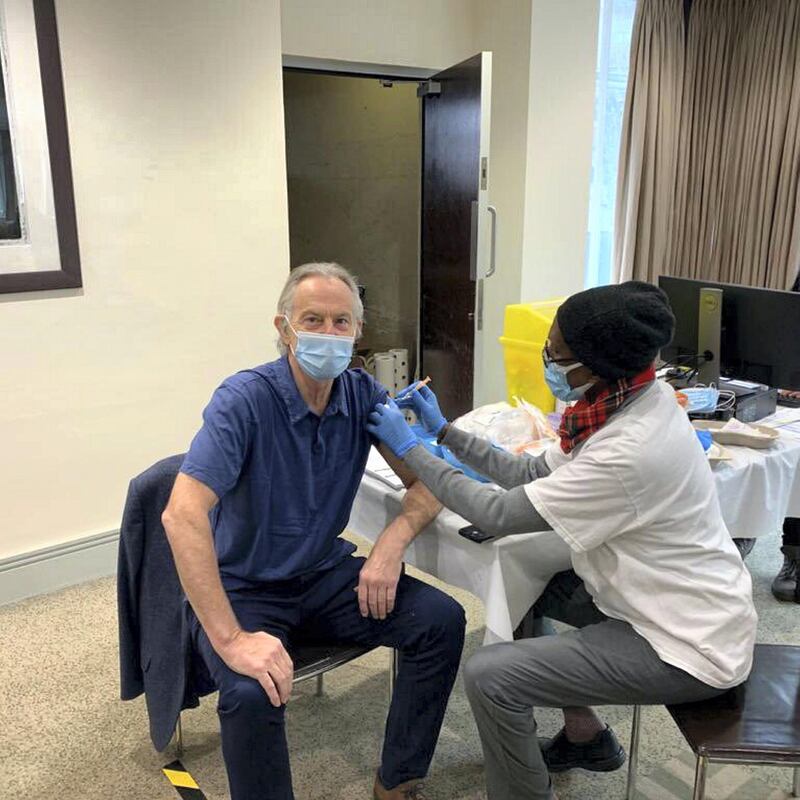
(67, 274)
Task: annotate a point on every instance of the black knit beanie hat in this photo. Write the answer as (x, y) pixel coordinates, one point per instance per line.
(617, 330)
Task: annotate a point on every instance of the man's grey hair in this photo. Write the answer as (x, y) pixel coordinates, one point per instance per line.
(324, 269)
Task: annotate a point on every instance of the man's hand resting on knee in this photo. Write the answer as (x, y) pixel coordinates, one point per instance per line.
(377, 582)
(264, 658)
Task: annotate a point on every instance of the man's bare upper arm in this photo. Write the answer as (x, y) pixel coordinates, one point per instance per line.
(405, 474)
(418, 501)
(190, 497)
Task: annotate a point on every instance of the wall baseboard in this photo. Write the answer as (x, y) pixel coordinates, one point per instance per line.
(51, 568)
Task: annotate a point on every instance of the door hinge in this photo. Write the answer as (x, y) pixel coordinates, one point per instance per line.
(484, 172)
(429, 89)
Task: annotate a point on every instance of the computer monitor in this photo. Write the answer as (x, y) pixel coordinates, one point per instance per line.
(759, 330)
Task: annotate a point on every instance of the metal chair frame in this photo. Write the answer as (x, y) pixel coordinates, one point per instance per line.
(701, 766)
(315, 669)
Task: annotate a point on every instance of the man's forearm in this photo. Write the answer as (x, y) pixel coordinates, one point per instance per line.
(193, 550)
(419, 509)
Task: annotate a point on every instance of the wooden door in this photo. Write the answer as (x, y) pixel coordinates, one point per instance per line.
(454, 192)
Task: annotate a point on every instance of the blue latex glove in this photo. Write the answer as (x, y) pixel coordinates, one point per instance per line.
(705, 439)
(424, 404)
(387, 423)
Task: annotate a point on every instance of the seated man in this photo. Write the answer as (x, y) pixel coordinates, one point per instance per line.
(660, 596)
(254, 522)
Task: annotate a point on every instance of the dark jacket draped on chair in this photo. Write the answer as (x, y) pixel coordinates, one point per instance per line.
(155, 646)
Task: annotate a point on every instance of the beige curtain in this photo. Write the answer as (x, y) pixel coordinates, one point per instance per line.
(649, 142)
(734, 206)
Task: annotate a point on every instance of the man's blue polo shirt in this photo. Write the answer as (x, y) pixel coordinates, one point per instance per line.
(285, 478)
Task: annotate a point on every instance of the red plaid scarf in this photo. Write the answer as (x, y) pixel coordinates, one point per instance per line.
(586, 417)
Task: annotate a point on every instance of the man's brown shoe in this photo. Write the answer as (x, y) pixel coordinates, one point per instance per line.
(410, 790)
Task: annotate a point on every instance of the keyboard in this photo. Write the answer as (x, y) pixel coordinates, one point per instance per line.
(789, 399)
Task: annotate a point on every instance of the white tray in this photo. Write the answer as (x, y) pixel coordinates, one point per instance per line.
(718, 453)
(741, 439)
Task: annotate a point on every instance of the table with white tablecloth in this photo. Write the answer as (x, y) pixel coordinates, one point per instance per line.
(757, 488)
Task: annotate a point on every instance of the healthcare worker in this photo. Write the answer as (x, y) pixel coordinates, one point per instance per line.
(658, 593)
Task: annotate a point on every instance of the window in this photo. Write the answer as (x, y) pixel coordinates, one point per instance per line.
(9, 207)
(613, 54)
(38, 231)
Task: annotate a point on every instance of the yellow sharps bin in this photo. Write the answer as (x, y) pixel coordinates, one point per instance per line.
(524, 333)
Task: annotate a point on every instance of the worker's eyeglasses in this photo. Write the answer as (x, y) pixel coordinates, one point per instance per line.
(547, 356)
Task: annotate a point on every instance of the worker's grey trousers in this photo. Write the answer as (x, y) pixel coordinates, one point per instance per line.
(604, 663)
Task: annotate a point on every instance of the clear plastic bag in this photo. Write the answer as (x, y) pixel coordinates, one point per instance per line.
(521, 429)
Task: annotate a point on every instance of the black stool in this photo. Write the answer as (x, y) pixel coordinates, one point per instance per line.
(758, 722)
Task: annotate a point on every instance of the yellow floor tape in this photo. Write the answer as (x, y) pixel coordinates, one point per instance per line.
(185, 785)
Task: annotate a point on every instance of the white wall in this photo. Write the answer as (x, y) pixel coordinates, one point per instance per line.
(414, 33)
(560, 118)
(176, 131)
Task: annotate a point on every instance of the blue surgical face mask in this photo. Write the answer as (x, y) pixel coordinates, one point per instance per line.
(556, 377)
(702, 399)
(322, 356)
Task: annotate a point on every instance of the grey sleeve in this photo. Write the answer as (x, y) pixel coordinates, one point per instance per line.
(496, 513)
(505, 469)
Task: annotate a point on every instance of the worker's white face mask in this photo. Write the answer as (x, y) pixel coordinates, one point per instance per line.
(322, 356)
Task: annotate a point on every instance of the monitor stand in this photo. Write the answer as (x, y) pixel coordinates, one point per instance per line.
(709, 334)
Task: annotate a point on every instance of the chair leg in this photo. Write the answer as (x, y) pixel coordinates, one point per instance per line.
(796, 782)
(179, 737)
(633, 753)
(320, 689)
(700, 778)
(393, 667)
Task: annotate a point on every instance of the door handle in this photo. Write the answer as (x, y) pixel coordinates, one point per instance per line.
(493, 251)
(473, 241)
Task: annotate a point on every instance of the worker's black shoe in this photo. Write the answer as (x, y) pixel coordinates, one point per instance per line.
(786, 585)
(744, 546)
(601, 754)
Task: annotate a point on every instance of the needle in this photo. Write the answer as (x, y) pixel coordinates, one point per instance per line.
(419, 385)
